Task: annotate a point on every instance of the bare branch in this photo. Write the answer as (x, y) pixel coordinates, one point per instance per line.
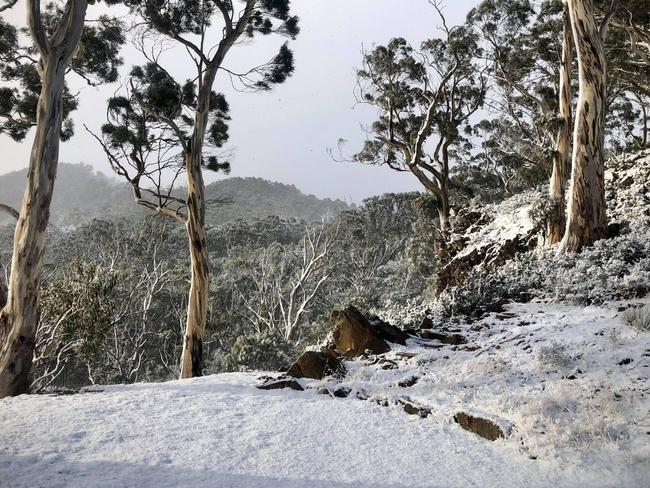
(9, 211)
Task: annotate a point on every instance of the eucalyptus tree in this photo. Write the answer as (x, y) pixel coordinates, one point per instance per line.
(586, 218)
(418, 93)
(162, 125)
(39, 99)
(562, 153)
(532, 73)
(627, 46)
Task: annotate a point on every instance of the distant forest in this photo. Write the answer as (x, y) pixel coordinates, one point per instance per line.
(85, 194)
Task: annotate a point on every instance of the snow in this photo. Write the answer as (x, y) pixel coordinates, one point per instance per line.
(223, 431)
(506, 221)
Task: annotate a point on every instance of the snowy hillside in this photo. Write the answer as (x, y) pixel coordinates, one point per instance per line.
(575, 415)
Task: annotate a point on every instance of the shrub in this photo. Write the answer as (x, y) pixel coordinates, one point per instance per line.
(555, 356)
(265, 351)
(638, 318)
(611, 269)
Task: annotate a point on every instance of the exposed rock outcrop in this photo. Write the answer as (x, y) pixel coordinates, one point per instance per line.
(353, 334)
(480, 426)
(316, 365)
(280, 384)
(490, 235)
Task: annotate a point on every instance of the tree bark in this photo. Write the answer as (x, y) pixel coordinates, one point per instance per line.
(197, 308)
(561, 157)
(12, 212)
(19, 317)
(586, 218)
(3, 292)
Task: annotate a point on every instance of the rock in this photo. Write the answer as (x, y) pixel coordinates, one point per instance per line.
(354, 335)
(316, 365)
(361, 395)
(408, 382)
(388, 332)
(342, 392)
(480, 426)
(496, 233)
(453, 339)
(413, 409)
(426, 324)
(278, 385)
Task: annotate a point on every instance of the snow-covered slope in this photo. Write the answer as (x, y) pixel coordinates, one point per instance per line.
(581, 414)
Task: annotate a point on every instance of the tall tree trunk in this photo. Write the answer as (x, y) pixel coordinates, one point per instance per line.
(3, 285)
(561, 158)
(443, 197)
(3, 291)
(20, 315)
(197, 308)
(442, 205)
(586, 218)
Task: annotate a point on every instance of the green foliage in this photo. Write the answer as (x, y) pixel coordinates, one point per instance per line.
(612, 269)
(81, 303)
(265, 351)
(402, 83)
(96, 61)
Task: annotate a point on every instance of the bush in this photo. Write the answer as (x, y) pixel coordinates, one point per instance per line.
(265, 351)
(638, 318)
(555, 356)
(611, 269)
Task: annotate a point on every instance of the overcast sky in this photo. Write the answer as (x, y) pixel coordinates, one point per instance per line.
(284, 135)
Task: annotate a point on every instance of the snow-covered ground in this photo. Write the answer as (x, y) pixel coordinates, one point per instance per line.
(579, 416)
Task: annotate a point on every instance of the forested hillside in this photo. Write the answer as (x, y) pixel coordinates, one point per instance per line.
(87, 195)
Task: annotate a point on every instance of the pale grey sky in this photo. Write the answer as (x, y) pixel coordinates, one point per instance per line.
(283, 135)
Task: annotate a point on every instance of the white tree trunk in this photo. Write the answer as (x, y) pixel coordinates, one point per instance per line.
(561, 158)
(586, 219)
(20, 315)
(197, 308)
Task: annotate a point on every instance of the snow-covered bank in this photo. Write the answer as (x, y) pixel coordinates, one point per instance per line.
(223, 431)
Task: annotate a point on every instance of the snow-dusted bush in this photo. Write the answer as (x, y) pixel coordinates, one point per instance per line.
(555, 355)
(612, 269)
(266, 351)
(639, 318)
(481, 292)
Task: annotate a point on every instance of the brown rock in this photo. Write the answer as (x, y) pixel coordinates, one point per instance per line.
(353, 334)
(480, 426)
(389, 332)
(426, 324)
(316, 365)
(278, 385)
(413, 409)
(452, 339)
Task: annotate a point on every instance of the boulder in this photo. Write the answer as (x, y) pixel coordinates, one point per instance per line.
(354, 334)
(480, 426)
(342, 392)
(388, 332)
(316, 365)
(451, 339)
(426, 324)
(408, 382)
(413, 409)
(278, 385)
